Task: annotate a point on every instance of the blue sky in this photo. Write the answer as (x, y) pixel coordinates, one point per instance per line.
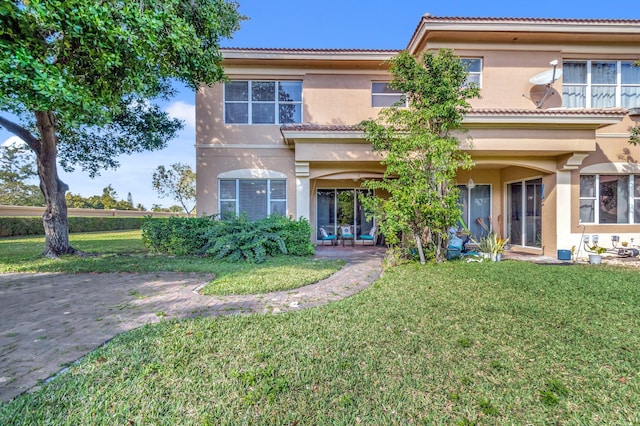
(365, 24)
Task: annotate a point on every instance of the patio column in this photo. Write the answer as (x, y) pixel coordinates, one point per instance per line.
(563, 200)
(303, 201)
(563, 209)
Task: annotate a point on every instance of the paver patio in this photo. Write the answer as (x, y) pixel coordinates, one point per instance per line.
(48, 321)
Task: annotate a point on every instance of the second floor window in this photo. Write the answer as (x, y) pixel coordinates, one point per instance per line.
(262, 102)
(474, 68)
(600, 84)
(383, 96)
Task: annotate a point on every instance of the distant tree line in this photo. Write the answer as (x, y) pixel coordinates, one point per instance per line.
(107, 201)
(17, 171)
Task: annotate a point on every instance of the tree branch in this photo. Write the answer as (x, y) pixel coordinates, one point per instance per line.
(22, 133)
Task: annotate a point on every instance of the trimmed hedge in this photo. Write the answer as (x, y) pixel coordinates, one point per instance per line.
(16, 226)
(233, 239)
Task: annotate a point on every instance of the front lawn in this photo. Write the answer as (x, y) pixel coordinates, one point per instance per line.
(123, 251)
(480, 343)
(277, 274)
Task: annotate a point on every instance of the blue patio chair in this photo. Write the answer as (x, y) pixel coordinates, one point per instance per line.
(346, 234)
(324, 236)
(371, 236)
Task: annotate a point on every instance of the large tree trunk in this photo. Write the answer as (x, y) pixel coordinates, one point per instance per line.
(54, 219)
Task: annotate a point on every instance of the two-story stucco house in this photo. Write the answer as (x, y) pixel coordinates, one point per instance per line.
(550, 148)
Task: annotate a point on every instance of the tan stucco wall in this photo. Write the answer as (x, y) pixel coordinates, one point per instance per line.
(505, 78)
(211, 162)
(523, 143)
(339, 99)
(507, 69)
(210, 127)
(327, 99)
(340, 94)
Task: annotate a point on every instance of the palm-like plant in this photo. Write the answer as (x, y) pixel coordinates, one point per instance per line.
(490, 243)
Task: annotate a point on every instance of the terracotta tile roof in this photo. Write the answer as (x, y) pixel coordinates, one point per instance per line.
(304, 50)
(530, 20)
(312, 127)
(559, 111)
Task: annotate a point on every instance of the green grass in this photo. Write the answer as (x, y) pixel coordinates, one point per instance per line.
(123, 251)
(282, 273)
(118, 251)
(480, 343)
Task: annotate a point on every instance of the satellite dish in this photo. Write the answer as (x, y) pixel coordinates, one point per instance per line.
(546, 77)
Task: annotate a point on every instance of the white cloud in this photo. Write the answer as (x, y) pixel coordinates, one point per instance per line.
(13, 140)
(183, 111)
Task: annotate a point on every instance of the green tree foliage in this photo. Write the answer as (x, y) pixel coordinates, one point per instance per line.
(634, 138)
(77, 201)
(108, 200)
(17, 167)
(82, 77)
(177, 181)
(421, 149)
(171, 209)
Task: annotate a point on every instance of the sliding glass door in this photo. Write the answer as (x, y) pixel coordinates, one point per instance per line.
(524, 213)
(337, 207)
(475, 204)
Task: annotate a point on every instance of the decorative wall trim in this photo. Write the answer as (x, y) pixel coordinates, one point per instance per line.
(613, 135)
(611, 168)
(574, 162)
(252, 174)
(243, 146)
(302, 169)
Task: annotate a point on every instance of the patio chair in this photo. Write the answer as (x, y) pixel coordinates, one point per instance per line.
(324, 236)
(346, 234)
(371, 236)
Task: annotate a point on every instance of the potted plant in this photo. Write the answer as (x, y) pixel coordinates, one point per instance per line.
(492, 245)
(595, 258)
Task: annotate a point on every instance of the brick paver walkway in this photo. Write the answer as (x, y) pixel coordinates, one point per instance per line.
(50, 320)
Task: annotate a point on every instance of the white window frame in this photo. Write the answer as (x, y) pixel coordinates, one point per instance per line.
(236, 200)
(478, 73)
(632, 200)
(277, 102)
(395, 94)
(589, 85)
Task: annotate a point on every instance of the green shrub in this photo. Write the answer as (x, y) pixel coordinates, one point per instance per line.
(17, 226)
(177, 236)
(234, 239)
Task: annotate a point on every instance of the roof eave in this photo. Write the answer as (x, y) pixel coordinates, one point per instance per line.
(593, 121)
(308, 55)
(292, 136)
(427, 24)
